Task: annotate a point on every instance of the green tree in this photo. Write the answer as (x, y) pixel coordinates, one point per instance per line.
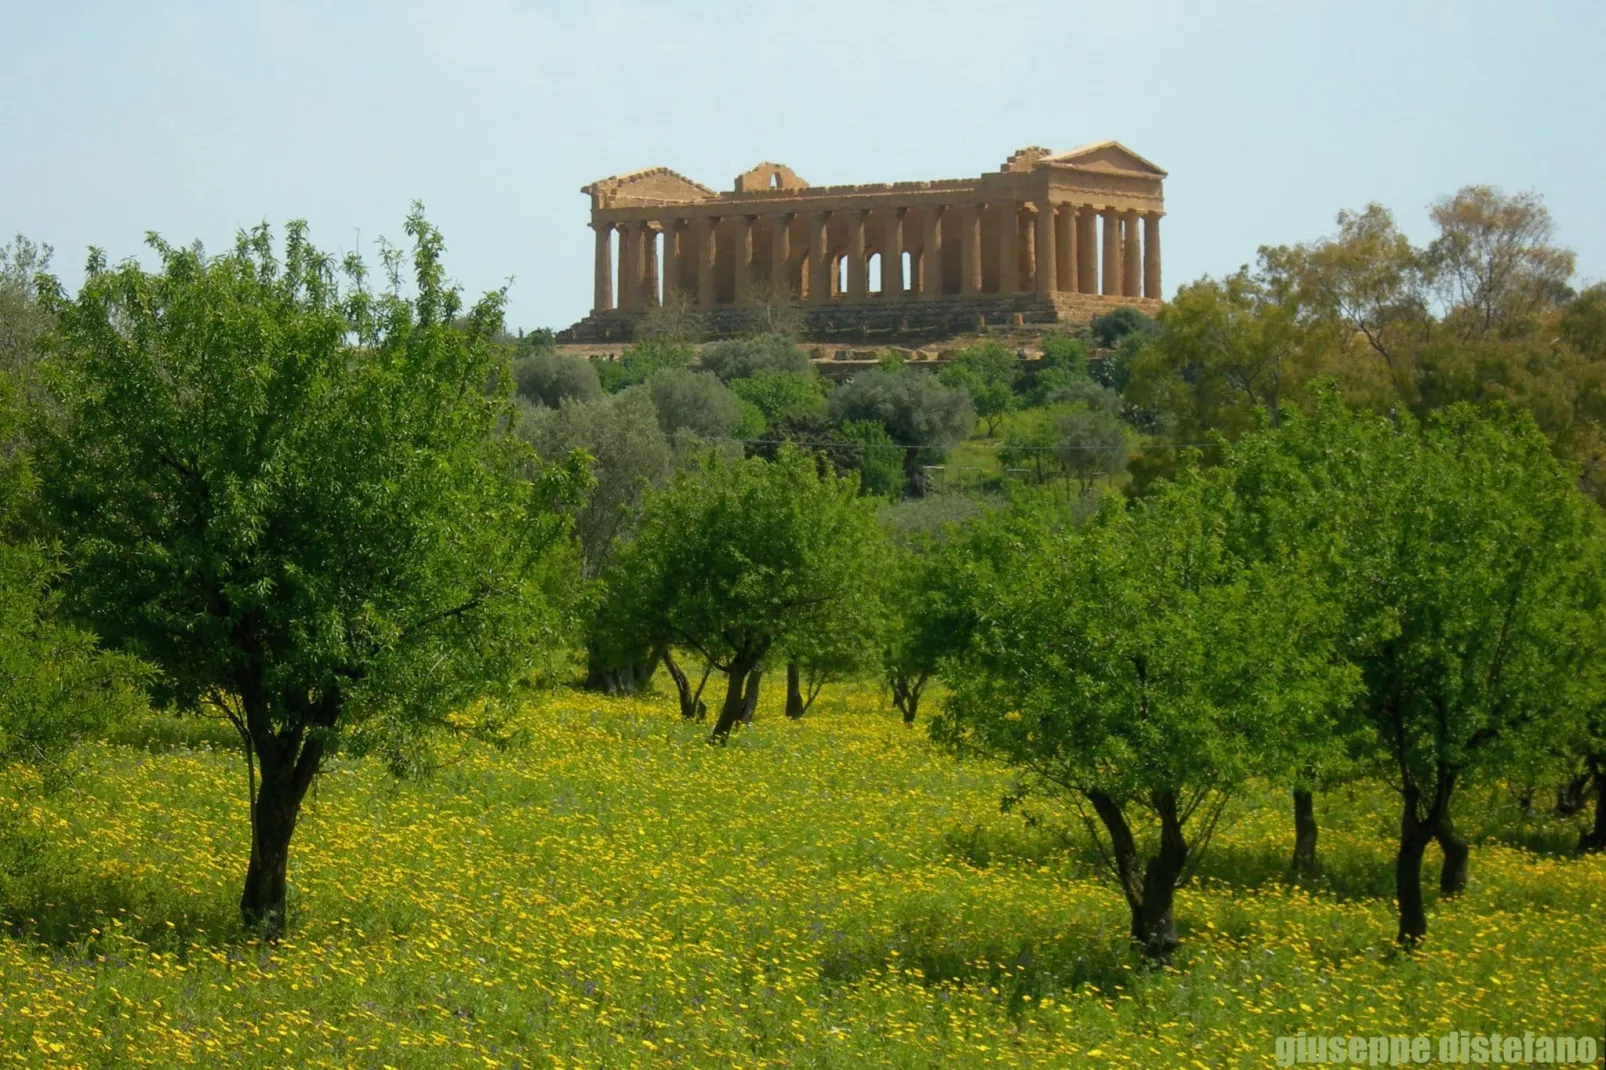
(737, 559)
(782, 397)
(738, 358)
(298, 500)
(549, 378)
(628, 456)
(1459, 563)
(1139, 665)
(989, 373)
(693, 404)
(643, 361)
(877, 459)
(57, 687)
(918, 411)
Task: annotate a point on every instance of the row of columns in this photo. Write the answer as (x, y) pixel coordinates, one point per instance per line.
(1062, 248)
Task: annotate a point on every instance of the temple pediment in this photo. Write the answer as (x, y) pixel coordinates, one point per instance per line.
(1111, 156)
(655, 185)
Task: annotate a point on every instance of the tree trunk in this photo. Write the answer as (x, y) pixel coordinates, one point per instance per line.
(794, 692)
(906, 693)
(1571, 795)
(691, 705)
(1305, 832)
(1152, 925)
(1149, 898)
(287, 772)
(1595, 839)
(741, 674)
(750, 698)
(1416, 832)
(627, 679)
(1453, 877)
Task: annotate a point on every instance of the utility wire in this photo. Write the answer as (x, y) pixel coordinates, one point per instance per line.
(935, 446)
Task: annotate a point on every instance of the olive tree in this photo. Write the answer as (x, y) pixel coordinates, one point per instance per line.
(296, 496)
(1140, 667)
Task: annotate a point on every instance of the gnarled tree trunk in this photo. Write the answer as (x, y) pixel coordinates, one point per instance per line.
(741, 681)
(1305, 833)
(906, 691)
(1150, 897)
(691, 704)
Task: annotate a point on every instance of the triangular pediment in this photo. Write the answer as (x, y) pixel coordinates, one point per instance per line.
(654, 185)
(1109, 156)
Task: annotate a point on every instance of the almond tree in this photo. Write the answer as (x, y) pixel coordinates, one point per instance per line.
(299, 500)
(1142, 668)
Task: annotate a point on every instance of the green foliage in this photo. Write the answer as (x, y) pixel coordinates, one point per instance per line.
(628, 455)
(739, 358)
(735, 559)
(879, 461)
(641, 362)
(548, 378)
(989, 373)
(23, 318)
(1458, 553)
(1140, 664)
(297, 499)
(1064, 364)
(57, 687)
(1110, 329)
(693, 404)
(782, 396)
(916, 409)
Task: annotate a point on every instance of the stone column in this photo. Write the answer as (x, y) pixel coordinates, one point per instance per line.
(744, 258)
(931, 254)
(970, 249)
(1087, 250)
(1008, 247)
(602, 287)
(819, 259)
(671, 257)
(705, 261)
(856, 264)
(1065, 249)
(1131, 257)
(629, 266)
(780, 253)
(892, 255)
(1151, 255)
(1047, 270)
(1110, 280)
(1026, 255)
(649, 265)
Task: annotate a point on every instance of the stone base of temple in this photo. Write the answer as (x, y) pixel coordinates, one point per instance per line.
(889, 321)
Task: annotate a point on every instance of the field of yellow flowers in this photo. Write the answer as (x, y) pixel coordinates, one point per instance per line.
(828, 893)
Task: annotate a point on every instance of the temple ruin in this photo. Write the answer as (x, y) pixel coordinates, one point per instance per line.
(1049, 237)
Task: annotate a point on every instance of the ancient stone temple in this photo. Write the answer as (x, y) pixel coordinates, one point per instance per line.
(1048, 237)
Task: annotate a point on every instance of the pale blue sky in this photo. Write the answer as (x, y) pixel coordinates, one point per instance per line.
(194, 119)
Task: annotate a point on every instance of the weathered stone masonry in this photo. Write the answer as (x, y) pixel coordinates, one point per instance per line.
(1047, 237)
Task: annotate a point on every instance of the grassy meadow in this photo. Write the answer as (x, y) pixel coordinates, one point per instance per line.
(829, 893)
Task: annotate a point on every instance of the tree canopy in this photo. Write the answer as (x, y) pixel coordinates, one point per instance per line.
(295, 496)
